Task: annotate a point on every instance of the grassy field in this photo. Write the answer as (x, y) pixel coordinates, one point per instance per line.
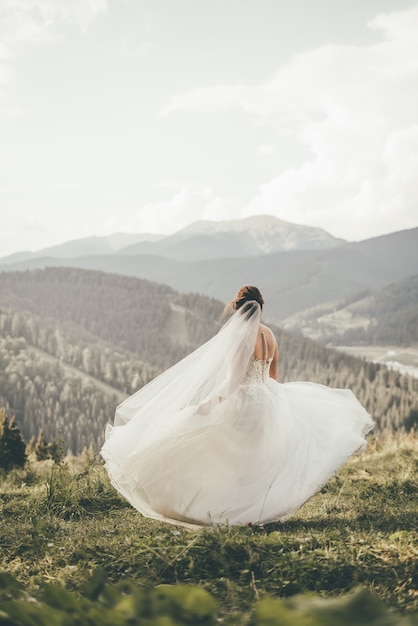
(61, 523)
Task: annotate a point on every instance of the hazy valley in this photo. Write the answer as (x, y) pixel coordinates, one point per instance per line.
(295, 280)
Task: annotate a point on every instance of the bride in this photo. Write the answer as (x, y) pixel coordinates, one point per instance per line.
(217, 439)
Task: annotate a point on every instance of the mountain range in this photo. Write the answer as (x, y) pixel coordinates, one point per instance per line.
(253, 236)
(81, 247)
(203, 240)
(297, 281)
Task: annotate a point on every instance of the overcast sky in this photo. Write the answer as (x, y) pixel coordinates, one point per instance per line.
(146, 115)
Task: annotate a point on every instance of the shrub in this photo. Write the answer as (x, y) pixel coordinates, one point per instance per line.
(12, 446)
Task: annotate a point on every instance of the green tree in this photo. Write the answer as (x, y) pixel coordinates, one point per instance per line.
(42, 448)
(12, 446)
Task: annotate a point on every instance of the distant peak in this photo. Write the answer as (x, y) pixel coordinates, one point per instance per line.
(259, 223)
(236, 224)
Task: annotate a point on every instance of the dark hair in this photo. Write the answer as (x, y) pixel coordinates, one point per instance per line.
(247, 293)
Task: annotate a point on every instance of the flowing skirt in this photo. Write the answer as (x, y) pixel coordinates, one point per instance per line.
(255, 458)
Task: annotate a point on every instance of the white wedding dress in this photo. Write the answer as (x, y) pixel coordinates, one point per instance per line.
(230, 444)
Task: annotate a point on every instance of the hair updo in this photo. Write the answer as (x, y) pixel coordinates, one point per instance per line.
(247, 293)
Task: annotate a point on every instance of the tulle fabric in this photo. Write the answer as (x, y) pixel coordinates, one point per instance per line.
(215, 440)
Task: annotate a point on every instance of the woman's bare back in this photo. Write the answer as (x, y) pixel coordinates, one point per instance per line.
(266, 348)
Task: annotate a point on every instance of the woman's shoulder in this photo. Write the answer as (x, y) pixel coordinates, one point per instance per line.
(268, 332)
(266, 329)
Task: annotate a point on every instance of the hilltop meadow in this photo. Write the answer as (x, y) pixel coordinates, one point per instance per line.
(78, 548)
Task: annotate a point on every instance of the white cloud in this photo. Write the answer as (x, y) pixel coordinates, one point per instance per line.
(266, 149)
(5, 74)
(29, 21)
(135, 50)
(355, 109)
(397, 24)
(33, 22)
(189, 204)
(139, 47)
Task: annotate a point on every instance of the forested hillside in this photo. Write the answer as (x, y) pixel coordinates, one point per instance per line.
(73, 342)
(393, 312)
(386, 316)
(129, 312)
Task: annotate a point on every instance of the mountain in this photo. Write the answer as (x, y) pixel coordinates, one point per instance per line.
(202, 240)
(381, 316)
(292, 281)
(252, 236)
(82, 247)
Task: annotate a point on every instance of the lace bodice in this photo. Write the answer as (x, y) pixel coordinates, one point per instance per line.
(258, 369)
